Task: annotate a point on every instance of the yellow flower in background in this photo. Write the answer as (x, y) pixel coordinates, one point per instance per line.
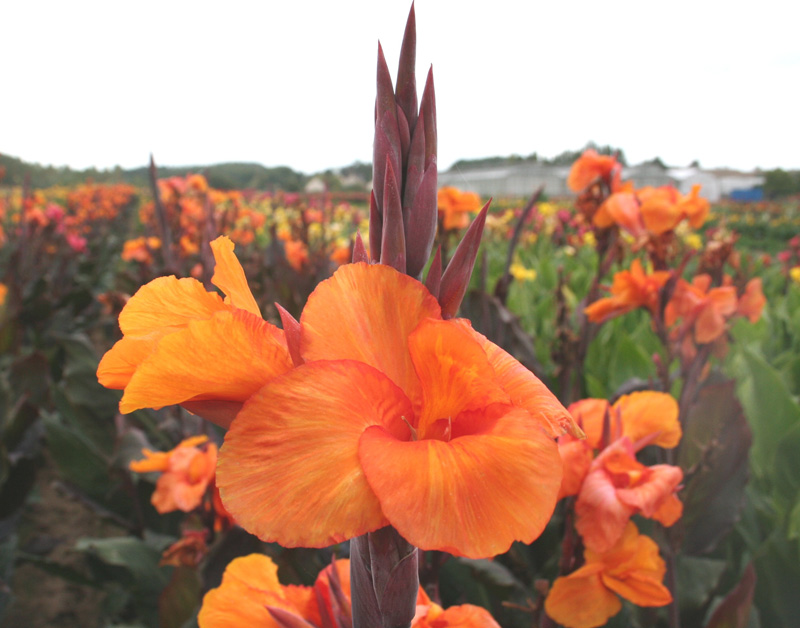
(693, 241)
(519, 272)
(589, 239)
(794, 273)
(547, 209)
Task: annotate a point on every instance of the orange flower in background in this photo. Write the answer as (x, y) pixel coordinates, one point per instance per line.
(631, 289)
(455, 207)
(140, 250)
(588, 597)
(704, 310)
(172, 350)
(752, 302)
(463, 616)
(186, 472)
(694, 208)
(250, 590)
(617, 487)
(250, 593)
(296, 253)
(3, 293)
(589, 167)
(646, 416)
(621, 208)
(427, 425)
(660, 208)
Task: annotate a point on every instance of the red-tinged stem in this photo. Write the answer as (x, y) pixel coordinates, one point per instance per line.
(384, 580)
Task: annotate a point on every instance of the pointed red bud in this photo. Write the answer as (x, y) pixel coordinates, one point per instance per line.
(292, 330)
(359, 250)
(415, 167)
(456, 278)
(405, 136)
(393, 242)
(427, 107)
(375, 228)
(386, 148)
(406, 90)
(422, 223)
(434, 279)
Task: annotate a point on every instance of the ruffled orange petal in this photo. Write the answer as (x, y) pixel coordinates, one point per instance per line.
(576, 458)
(580, 600)
(168, 304)
(289, 470)
(472, 496)
(624, 210)
(600, 516)
(229, 276)
(366, 313)
(526, 390)
(650, 412)
(227, 357)
(120, 363)
(661, 482)
(660, 214)
(454, 372)
(249, 585)
(590, 414)
(752, 302)
(669, 511)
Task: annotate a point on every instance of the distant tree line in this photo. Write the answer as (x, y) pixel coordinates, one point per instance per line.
(565, 158)
(780, 183)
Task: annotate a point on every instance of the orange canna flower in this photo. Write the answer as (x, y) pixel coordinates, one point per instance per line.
(186, 472)
(589, 167)
(3, 293)
(752, 302)
(250, 589)
(645, 416)
(296, 254)
(427, 425)
(631, 289)
(588, 597)
(694, 208)
(617, 487)
(455, 206)
(171, 351)
(621, 208)
(702, 308)
(659, 208)
(463, 616)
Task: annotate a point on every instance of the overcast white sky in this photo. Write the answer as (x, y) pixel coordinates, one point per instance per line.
(292, 82)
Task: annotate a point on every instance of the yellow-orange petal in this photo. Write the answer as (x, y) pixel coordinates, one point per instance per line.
(634, 569)
(153, 461)
(168, 304)
(660, 214)
(649, 412)
(120, 363)
(526, 390)
(366, 313)
(472, 496)
(249, 585)
(227, 357)
(289, 470)
(229, 276)
(580, 600)
(590, 415)
(454, 373)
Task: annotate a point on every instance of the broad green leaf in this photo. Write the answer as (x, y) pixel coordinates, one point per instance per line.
(734, 611)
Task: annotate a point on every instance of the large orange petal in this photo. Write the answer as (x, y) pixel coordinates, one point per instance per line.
(576, 458)
(525, 389)
(366, 313)
(227, 357)
(454, 372)
(649, 412)
(580, 600)
(660, 214)
(289, 470)
(472, 496)
(462, 616)
(120, 363)
(229, 276)
(640, 589)
(166, 304)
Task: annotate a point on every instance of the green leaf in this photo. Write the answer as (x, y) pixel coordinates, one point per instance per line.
(179, 600)
(794, 522)
(628, 361)
(697, 579)
(769, 406)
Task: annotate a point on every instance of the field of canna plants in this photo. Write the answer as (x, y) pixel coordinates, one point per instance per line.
(415, 408)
